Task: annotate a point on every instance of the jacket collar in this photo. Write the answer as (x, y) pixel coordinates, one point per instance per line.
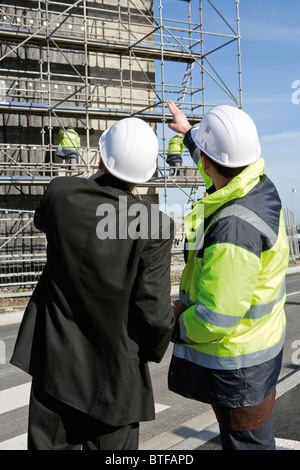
(109, 180)
(236, 188)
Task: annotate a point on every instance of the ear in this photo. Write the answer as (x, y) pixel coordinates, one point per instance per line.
(205, 162)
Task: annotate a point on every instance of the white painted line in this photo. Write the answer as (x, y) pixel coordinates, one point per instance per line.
(293, 293)
(196, 432)
(17, 397)
(159, 408)
(293, 269)
(198, 439)
(287, 384)
(188, 436)
(181, 433)
(16, 443)
(11, 318)
(287, 444)
(14, 397)
(20, 442)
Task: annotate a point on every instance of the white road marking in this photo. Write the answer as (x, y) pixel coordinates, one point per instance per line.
(15, 397)
(159, 408)
(293, 293)
(200, 429)
(16, 443)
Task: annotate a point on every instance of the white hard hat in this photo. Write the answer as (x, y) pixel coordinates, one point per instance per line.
(129, 150)
(228, 136)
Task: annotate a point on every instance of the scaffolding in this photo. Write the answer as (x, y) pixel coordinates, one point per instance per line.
(91, 63)
(22, 251)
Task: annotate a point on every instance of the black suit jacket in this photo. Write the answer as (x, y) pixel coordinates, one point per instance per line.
(101, 308)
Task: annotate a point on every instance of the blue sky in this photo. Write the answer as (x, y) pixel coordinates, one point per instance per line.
(270, 47)
(270, 63)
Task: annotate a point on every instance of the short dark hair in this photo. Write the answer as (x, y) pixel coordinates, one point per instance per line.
(225, 171)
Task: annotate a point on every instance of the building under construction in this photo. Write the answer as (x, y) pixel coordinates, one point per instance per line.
(90, 63)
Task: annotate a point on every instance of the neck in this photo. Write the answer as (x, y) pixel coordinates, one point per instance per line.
(218, 180)
(103, 171)
(221, 182)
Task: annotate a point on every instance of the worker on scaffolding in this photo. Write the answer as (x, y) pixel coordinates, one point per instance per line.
(174, 157)
(68, 147)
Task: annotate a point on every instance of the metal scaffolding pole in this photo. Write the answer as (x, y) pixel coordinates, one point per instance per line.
(90, 64)
(116, 48)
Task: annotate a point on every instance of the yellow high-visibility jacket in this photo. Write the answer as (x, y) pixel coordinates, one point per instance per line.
(228, 343)
(175, 149)
(69, 138)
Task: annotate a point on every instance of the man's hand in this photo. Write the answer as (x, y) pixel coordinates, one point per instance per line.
(180, 122)
(178, 308)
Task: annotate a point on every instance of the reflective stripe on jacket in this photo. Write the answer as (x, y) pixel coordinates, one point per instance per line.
(69, 138)
(175, 148)
(234, 287)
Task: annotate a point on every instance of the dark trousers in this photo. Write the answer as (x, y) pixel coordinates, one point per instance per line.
(173, 170)
(56, 426)
(259, 439)
(71, 162)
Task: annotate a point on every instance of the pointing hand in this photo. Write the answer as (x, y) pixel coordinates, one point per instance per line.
(180, 122)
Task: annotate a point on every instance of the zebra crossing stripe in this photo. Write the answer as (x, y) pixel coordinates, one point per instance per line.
(15, 397)
(18, 397)
(16, 443)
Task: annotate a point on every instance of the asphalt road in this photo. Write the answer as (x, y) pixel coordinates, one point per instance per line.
(177, 419)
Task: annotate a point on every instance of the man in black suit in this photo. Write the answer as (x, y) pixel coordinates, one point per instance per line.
(101, 309)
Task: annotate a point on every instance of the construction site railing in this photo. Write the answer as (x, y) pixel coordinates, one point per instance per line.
(22, 251)
(291, 230)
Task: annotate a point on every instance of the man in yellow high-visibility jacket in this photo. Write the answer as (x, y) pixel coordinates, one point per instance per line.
(230, 320)
(174, 156)
(68, 146)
